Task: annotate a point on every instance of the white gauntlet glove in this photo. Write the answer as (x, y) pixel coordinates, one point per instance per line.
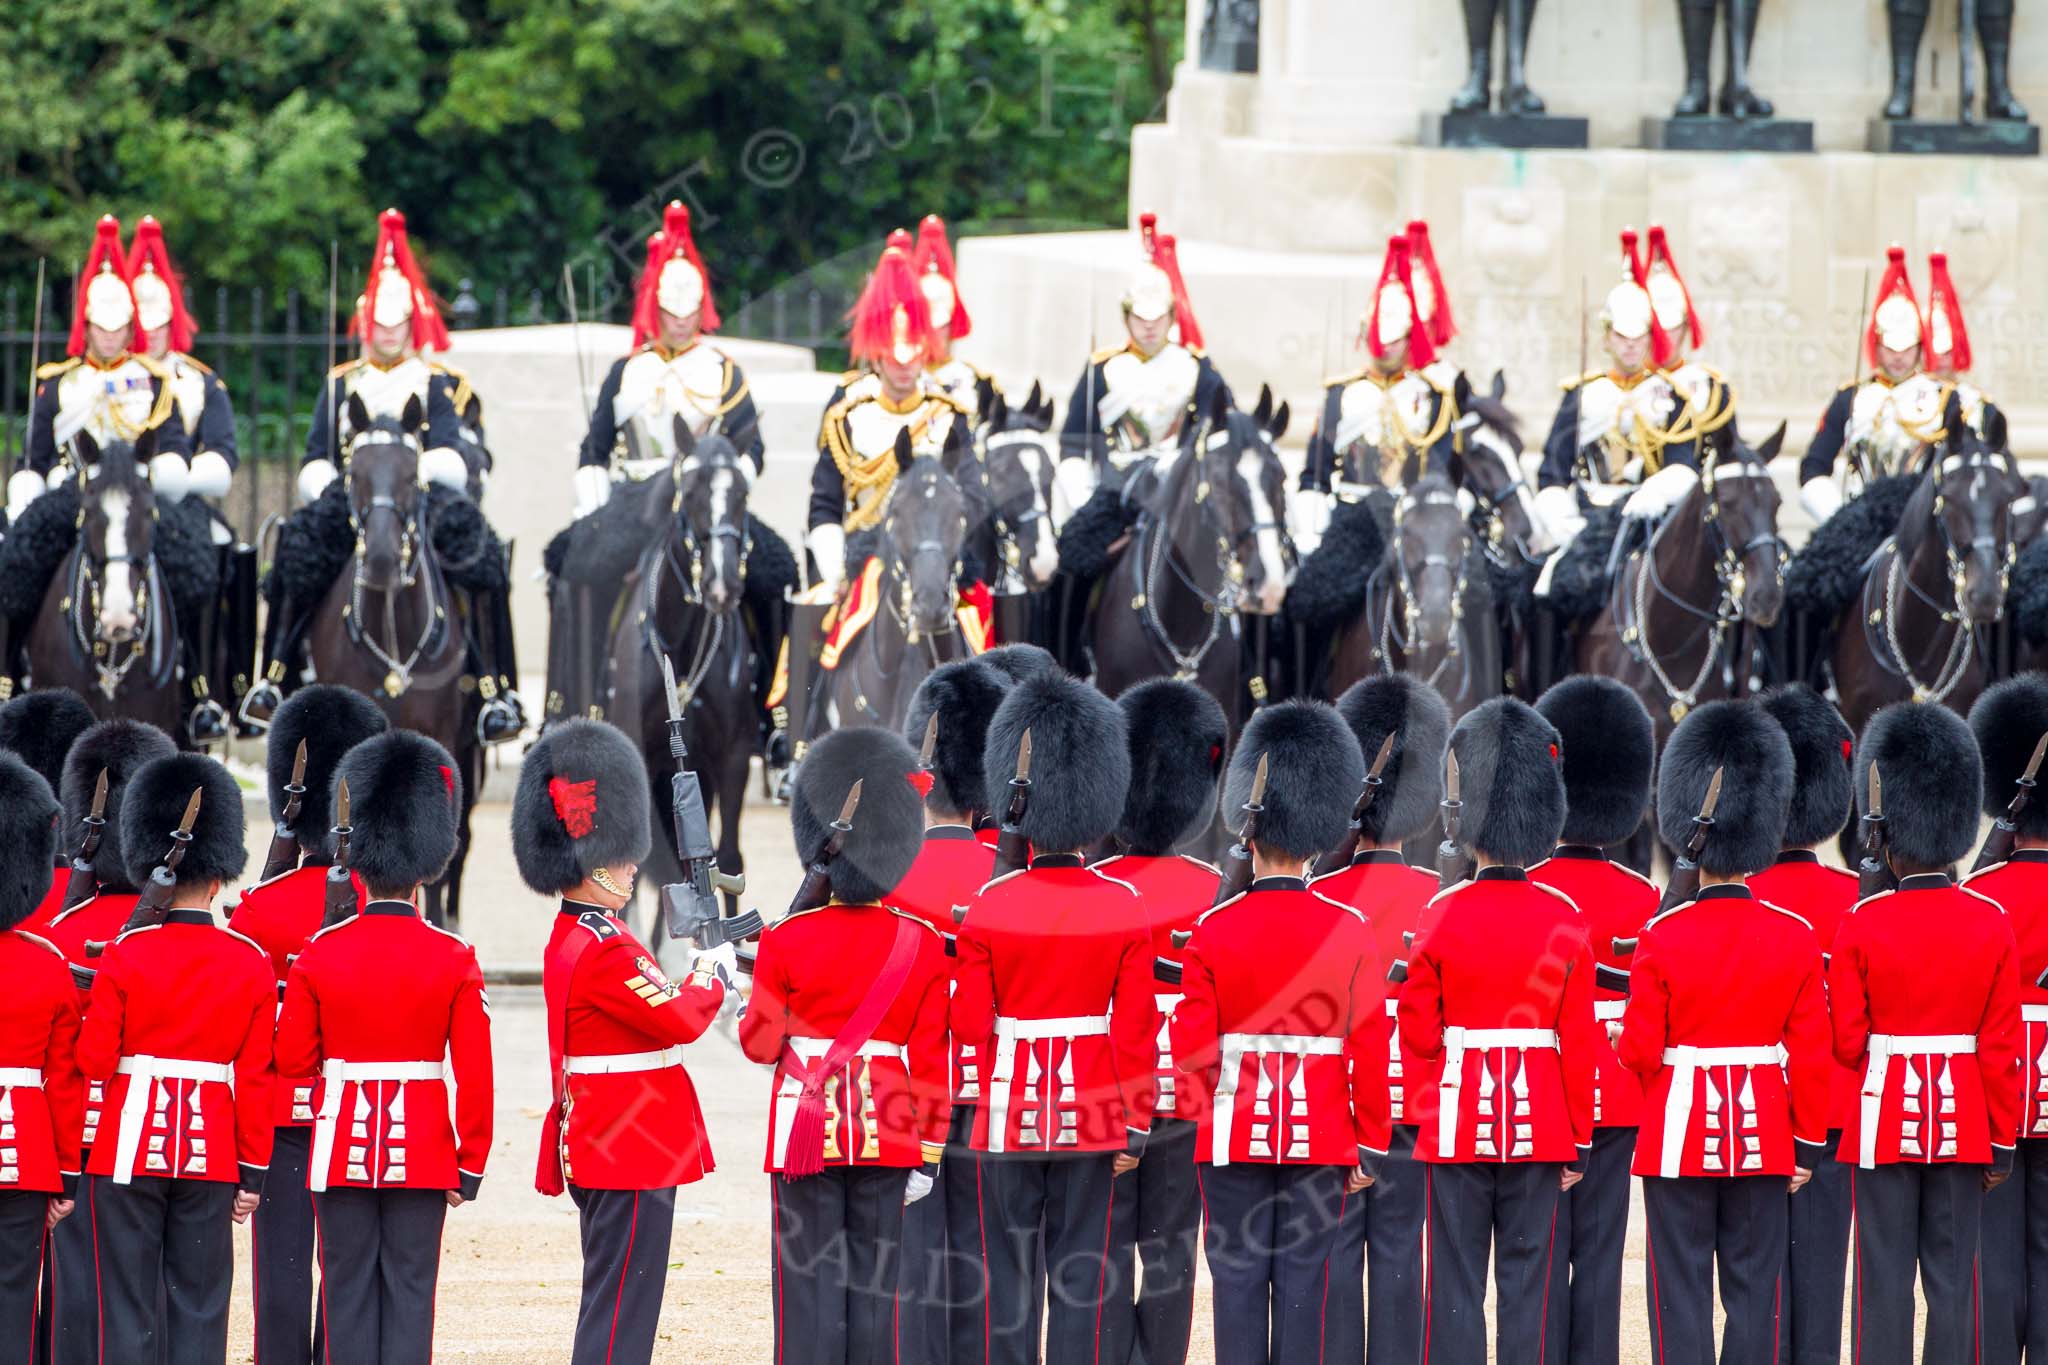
(722, 962)
(1661, 492)
(920, 1185)
(314, 478)
(210, 474)
(171, 477)
(1821, 496)
(827, 542)
(444, 466)
(1308, 517)
(1073, 483)
(593, 484)
(23, 488)
(1558, 505)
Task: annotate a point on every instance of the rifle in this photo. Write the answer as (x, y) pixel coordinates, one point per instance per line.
(1373, 782)
(816, 888)
(1998, 843)
(691, 907)
(1013, 850)
(82, 885)
(1452, 866)
(1237, 864)
(1873, 875)
(1685, 872)
(922, 778)
(284, 839)
(154, 905)
(341, 887)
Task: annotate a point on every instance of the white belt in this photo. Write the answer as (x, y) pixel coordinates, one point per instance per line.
(1457, 1042)
(335, 1077)
(615, 1063)
(142, 1073)
(1234, 1048)
(1685, 1061)
(2034, 1014)
(791, 1088)
(1884, 1047)
(1009, 1032)
(20, 1078)
(1609, 1010)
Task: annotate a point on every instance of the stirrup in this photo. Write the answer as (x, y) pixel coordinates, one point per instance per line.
(207, 723)
(500, 722)
(259, 705)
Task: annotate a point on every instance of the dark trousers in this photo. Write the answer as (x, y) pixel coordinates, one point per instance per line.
(2016, 1260)
(838, 1236)
(925, 1302)
(966, 1272)
(1058, 1214)
(380, 1259)
(1926, 1218)
(1593, 1223)
(1817, 1265)
(1699, 1222)
(1509, 1211)
(1161, 1204)
(22, 1216)
(1275, 1238)
(172, 1238)
(1396, 1208)
(625, 1269)
(68, 1330)
(281, 1256)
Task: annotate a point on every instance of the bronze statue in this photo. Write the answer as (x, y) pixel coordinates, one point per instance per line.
(1696, 24)
(1515, 95)
(1992, 27)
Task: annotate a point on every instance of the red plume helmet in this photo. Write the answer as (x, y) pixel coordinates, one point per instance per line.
(1166, 255)
(672, 248)
(1945, 314)
(1422, 257)
(1397, 279)
(1657, 268)
(148, 256)
(1896, 306)
(102, 286)
(934, 261)
(890, 316)
(393, 264)
(645, 327)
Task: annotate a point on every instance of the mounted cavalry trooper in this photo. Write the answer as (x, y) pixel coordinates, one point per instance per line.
(1394, 421)
(973, 388)
(1706, 388)
(1727, 1024)
(1947, 353)
(400, 325)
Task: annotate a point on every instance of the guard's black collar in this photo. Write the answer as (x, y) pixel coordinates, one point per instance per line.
(1390, 857)
(2029, 855)
(1584, 852)
(1278, 883)
(1798, 855)
(1501, 874)
(572, 908)
(1057, 860)
(1725, 891)
(188, 914)
(392, 908)
(1925, 881)
(949, 832)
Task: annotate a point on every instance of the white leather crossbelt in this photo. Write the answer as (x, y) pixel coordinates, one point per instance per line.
(1685, 1062)
(1233, 1047)
(1884, 1047)
(1457, 1042)
(618, 1063)
(335, 1076)
(143, 1072)
(1010, 1032)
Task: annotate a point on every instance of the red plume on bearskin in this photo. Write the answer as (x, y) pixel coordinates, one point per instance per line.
(1167, 258)
(394, 247)
(1660, 250)
(935, 255)
(1941, 298)
(892, 287)
(645, 325)
(1895, 281)
(1397, 272)
(575, 805)
(104, 256)
(148, 252)
(1422, 256)
(921, 783)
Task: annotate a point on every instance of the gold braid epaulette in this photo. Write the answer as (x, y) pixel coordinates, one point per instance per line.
(57, 367)
(861, 473)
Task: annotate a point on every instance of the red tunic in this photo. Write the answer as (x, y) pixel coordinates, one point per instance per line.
(1727, 1024)
(1617, 902)
(1391, 895)
(52, 904)
(629, 1117)
(1177, 891)
(953, 864)
(181, 1018)
(888, 1105)
(1924, 984)
(1055, 981)
(279, 916)
(350, 1010)
(1822, 896)
(99, 920)
(1499, 1009)
(41, 1096)
(2020, 885)
(1282, 1032)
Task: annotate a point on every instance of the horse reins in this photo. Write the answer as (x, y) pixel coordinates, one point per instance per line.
(709, 636)
(397, 672)
(1411, 612)
(1156, 553)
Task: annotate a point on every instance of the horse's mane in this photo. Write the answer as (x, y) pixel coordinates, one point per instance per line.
(1494, 414)
(118, 464)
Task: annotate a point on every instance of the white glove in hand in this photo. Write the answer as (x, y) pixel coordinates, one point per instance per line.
(1661, 492)
(593, 484)
(1558, 505)
(722, 962)
(1821, 496)
(210, 474)
(171, 477)
(444, 466)
(827, 542)
(1308, 517)
(23, 488)
(920, 1185)
(1073, 482)
(314, 478)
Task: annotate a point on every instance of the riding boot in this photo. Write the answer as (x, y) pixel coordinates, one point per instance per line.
(768, 623)
(1994, 31)
(236, 652)
(796, 701)
(1515, 95)
(501, 719)
(1477, 92)
(1907, 20)
(206, 723)
(283, 636)
(1696, 29)
(1737, 99)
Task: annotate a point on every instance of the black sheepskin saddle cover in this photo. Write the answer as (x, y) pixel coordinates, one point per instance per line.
(36, 545)
(605, 547)
(1329, 588)
(316, 541)
(1828, 570)
(1085, 541)
(1579, 584)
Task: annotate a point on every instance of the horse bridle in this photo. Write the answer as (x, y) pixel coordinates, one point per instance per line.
(1487, 515)
(397, 672)
(1404, 578)
(710, 633)
(86, 589)
(1010, 527)
(1156, 555)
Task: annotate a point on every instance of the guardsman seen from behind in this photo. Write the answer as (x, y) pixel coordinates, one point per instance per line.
(2010, 721)
(42, 1099)
(1609, 749)
(1499, 1009)
(1178, 737)
(39, 728)
(1378, 883)
(1923, 986)
(280, 914)
(1817, 1249)
(1727, 1024)
(944, 1283)
(849, 1004)
(1055, 990)
(179, 1031)
(1281, 1039)
(623, 1127)
(387, 1163)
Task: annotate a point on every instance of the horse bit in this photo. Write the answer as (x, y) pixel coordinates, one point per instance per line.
(398, 673)
(1957, 663)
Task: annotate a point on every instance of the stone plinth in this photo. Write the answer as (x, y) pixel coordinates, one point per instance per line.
(1727, 135)
(1927, 137)
(1503, 131)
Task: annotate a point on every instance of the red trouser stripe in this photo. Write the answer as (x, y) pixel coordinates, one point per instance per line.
(625, 1264)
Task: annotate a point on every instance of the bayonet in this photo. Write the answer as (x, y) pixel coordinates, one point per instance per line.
(1998, 844)
(931, 743)
(1237, 863)
(844, 824)
(1368, 794)
(82, 884)
(1450, 859)
(1013, 850)
(284, 839)
(1684, 885)
(691, 908)
(341, 886)
(1873, 874)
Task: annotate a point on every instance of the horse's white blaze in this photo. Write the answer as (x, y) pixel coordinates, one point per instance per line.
(1251, 466)
(117, 594)
(721, 512)
(1045, 553)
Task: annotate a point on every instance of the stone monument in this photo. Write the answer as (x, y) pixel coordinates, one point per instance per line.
(1521, 119)
(2003, 129)
(1742, 120)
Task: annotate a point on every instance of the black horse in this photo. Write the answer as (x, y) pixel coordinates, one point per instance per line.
(1016, 541)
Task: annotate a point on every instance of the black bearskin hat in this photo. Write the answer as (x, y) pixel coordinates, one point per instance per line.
(1177, 738)
(888, 828)
(155, 804)
(1314, 774)
(1610, 748)
(1021, 662)
(405, 806)
(41, 726)
(2009, 721)
(1080, 761)
(120, 748)
(1412, 783)
(332, 720)
(28, 839)
(1822, 748)
(1511, 780)
(964, 696)
(1932, 779)
(1755, 760)
(583, 802)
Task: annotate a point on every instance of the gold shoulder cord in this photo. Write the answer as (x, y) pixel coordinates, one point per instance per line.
(859, 473)
(1928, 435)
